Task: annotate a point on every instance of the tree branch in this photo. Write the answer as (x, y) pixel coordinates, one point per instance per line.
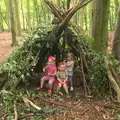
(15, 112)
(54, 10)
(112, 80)
(73, 11)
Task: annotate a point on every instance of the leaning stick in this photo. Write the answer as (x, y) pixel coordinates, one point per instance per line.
(15, 112)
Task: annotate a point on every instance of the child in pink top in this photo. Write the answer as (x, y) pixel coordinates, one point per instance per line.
(51, 73)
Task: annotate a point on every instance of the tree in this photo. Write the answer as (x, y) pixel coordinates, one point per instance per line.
(58, 3)
(100, 16)
(12, 23)
(1, 21)
(23, 18)
(116, 43)
(8, 15)
(17, 18)
(28, 15)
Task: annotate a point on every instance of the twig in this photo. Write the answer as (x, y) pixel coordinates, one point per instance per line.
(27, 101)
(71, 117)
(26, 116)
(81, 59)
(28, 93)
(3, 116)
(86, 110)
(15, 112)
(78, 104)
(55, 103)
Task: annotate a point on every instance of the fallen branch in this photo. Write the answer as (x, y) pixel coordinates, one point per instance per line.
(27, 101)
(86, 110)
(15, 112)
(26, 116)
(3, 116)
(78, 104)
(55, 103)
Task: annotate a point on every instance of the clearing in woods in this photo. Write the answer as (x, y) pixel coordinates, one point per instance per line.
(78, 107)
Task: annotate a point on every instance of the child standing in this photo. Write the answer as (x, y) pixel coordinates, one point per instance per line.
(70, 66)
(62, 77)
(51, 74)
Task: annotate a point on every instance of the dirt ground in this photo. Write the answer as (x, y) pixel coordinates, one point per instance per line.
(5, 45)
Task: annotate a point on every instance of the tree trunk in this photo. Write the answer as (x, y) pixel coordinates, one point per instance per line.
(1, 21)
(85, 18)
(116, 43)
(68, 4)
(23, 18)
(90, 19)
(35, 3)
(8, 14)
(116, 7)
(100, 25)
(12, 23)
(58, 3)
(17, 18)
(28, 16)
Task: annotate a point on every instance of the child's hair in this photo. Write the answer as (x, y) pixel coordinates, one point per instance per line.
(61, 63)
(71, 57)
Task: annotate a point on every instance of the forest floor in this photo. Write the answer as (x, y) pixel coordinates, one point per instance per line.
(75, 107)
(62, 107)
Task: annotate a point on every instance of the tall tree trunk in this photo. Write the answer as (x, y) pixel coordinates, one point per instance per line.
(35, 4)
(58, 3)
(68, 4)
(28, 16)
(17, 18)
(1, 21)
(116, 7)
(23, 18)
(100, 25)
(8, 14)
(90, 19)
(116, 43)
(12, 23)
(85, 18)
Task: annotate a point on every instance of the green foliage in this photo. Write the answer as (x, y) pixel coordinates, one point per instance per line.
(98, 75)
(96, 72)
(19, 67)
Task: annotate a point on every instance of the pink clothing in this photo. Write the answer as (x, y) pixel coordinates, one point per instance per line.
(49, 78)
(51, 70)
(51, 58)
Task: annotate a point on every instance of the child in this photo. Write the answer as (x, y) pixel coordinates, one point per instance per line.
(62, 77)
(51, 73)
(70, 66)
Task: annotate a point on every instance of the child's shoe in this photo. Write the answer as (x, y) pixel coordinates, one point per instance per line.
(49, 92)
(71, 88)
(38, 89)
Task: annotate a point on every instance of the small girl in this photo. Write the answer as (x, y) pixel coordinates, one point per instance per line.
(62, 77)
(51, 74)
(70, 66)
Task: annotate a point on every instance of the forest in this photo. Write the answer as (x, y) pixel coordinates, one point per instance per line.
(41, 33)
